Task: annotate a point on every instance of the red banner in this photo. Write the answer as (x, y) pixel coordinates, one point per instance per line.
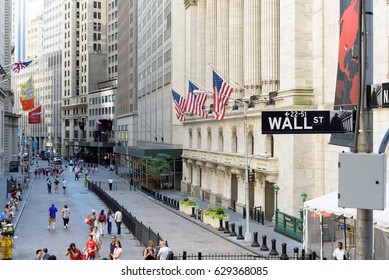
(35, 115)
(346, 93)
(27, 104)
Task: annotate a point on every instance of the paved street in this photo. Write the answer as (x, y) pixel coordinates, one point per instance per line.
(182, 232)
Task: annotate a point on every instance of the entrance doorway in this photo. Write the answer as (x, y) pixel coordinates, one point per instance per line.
(269, 201)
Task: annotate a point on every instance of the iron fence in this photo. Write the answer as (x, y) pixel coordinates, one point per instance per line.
(137, 228)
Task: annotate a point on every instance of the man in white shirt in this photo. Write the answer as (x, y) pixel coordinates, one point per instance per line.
(110, 181)
(118, 220)
(338, 252)
(164, 251)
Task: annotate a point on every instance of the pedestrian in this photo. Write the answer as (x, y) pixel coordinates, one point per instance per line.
(118, 220)
(86, 181)
(117, 253)
(99, 241)
(91, 220)
(46, 255)
(110, 181)
(90, 248)
(56, 183)
(112, 247)
(164, 251)
(38, 255)
(102, 219)
(65, 212)
(338, 253)
(148, 253)
(64, 185)
(110, 218)
(73, 252)
(52, 216)
(48, 182)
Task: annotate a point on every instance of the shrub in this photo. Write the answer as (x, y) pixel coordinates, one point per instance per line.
(188, 202)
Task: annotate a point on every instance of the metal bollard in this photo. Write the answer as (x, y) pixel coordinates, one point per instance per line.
(184, 255)
(296, 253)
(255, 242)
(199, 256)
(303, 254)
(226, 229)
(221, 228)
(264, 246)
(284, 255)
(193, 212)
(199, 214)
(233, 233)
(240, 235)
(273, 251)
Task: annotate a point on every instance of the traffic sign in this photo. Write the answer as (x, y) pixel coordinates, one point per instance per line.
(295, 122)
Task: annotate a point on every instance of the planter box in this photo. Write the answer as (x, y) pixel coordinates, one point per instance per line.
(213, 222)
(188, 209)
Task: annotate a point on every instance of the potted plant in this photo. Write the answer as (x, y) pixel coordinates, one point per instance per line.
(186, 205)
(212, 216)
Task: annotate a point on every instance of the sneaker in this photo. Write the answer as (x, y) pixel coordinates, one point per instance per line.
(48, 227)
(64, 226)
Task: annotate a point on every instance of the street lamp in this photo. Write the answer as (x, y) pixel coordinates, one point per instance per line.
(276, 189)
(248, 236)
(304, 198)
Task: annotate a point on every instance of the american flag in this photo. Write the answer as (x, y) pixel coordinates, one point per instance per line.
(17, 66)
(179, 105)
(195, 102)
(221, 94)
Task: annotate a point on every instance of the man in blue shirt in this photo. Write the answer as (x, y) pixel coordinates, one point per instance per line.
(52, 215)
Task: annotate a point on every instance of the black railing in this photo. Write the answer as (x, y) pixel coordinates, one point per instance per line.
(256, 214)
(137, 228)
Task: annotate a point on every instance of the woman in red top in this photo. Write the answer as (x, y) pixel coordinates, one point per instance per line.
(90, 248)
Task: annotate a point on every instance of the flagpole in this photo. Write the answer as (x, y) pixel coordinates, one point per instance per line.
(235, 82)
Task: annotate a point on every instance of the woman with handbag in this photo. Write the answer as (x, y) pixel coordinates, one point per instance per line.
(91, 220)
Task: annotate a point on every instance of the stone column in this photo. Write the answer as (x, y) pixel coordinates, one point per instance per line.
(211, 40)
(251, 44)
(214, 184)
(241, 200)
(222, 38)
(201, 42)
(270, 42)
(191, 39)
(236, 47)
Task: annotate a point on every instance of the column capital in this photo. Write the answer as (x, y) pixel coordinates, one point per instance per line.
(189, 3)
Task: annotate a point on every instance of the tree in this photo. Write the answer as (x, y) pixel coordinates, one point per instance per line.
(156, 166)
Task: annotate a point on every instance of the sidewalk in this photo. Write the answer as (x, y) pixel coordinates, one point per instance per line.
(31, 232)
(172, 228)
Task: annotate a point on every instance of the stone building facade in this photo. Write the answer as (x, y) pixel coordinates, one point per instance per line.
(277, 55)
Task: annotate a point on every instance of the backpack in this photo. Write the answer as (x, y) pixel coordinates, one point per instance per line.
(101, 218)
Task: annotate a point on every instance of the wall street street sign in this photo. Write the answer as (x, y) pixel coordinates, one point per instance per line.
(308, 122)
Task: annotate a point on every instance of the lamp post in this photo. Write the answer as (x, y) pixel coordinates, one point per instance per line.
(247, 235)
(304, 198)
(276, 189)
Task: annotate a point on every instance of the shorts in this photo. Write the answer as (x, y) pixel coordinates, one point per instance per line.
(51, 220)
(64, 188)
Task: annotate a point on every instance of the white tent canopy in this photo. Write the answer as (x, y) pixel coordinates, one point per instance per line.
(329, 203)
